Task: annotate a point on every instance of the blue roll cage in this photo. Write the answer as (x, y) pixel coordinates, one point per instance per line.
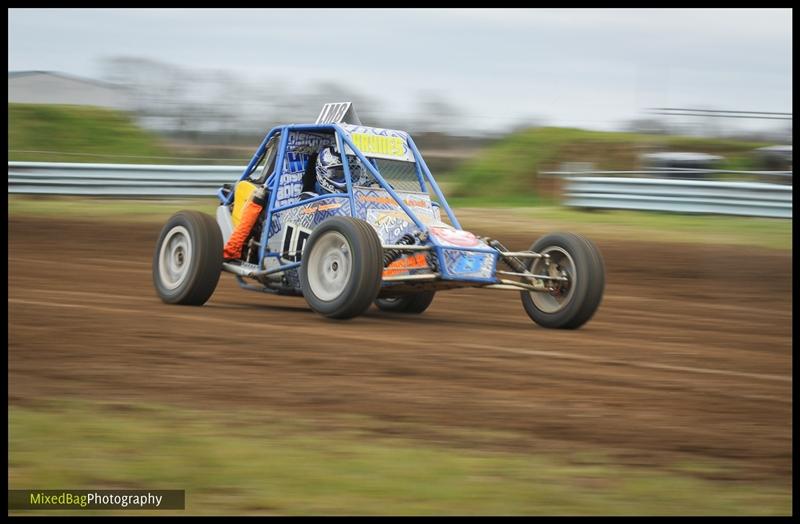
(342, 139)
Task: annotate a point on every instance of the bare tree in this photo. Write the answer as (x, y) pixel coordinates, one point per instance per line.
(435, 114)
(154, 86)
(221, 105)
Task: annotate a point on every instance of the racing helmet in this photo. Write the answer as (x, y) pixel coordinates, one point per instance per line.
(330, 172)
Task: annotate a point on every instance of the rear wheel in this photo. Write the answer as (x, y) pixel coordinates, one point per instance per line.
(340, 274)
(188, 259)
(573, 300)
(411, 304)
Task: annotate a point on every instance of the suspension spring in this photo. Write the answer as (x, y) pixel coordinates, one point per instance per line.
(391, 255)
(433, 262)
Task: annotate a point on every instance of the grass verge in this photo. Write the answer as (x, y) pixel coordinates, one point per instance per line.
(56, 133)
(770, 233)
(509, 167)
(105, 208)
(255, 464)
(618, 225)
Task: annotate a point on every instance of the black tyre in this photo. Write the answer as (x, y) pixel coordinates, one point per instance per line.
(188, 259)
(340, 274)
(572, 303)
(411, 304)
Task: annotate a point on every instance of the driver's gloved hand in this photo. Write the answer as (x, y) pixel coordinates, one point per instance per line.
(305, 195)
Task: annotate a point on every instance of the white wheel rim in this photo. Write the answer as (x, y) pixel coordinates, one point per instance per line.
(175, 257)
(329, 266)
(559, 258)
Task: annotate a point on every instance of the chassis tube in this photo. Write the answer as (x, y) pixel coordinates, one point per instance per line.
(384, 184)
(348, 178)
(514, 285)
(404, 247)
(274, 179)
(254, 160)
(403, 278)
(432, 182)
(522, 254)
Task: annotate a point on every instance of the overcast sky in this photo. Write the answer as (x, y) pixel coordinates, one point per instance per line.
(589, 68)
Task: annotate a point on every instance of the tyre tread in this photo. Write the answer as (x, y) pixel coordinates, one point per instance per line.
(369, 268)
(591, 283)
(207, 259)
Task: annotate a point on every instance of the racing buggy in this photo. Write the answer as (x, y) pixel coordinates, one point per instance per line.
(386, 236)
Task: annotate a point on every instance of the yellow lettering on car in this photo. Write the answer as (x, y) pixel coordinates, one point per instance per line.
(381, 145)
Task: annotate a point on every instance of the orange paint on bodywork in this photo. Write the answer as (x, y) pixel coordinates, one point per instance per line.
(402, 265)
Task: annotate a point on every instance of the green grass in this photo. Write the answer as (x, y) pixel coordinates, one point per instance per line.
(618, 225)
(772, 233)
(509, 168)
(78, 134)
(156, 210)
(259, 463)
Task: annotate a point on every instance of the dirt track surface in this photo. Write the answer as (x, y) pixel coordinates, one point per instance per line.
(687, 360)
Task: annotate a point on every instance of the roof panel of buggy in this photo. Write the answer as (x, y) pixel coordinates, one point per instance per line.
(375, 142)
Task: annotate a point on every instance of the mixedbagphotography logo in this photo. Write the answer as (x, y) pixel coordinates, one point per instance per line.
(21, 499)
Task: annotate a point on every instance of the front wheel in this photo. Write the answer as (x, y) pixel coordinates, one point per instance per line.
(342, 267)
(188, 259)
(575, 297)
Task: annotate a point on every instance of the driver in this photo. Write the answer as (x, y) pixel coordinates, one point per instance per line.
(330, 172)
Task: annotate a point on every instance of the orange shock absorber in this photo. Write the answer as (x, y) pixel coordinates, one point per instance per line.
(252, 209)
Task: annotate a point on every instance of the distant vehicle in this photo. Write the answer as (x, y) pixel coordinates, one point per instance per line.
(681, 164)
(377, 235)
(775, 158)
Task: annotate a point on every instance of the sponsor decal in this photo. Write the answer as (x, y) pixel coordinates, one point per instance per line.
(293, 241)
(454, 237)
(409, 201)
(380, 143)
(291, 185)
(465, 263)
(390, 224)
(468, 264)
(386, 146)
(310, 210)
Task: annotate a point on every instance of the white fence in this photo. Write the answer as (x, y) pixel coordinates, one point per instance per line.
(120, 180)
(621, 190)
